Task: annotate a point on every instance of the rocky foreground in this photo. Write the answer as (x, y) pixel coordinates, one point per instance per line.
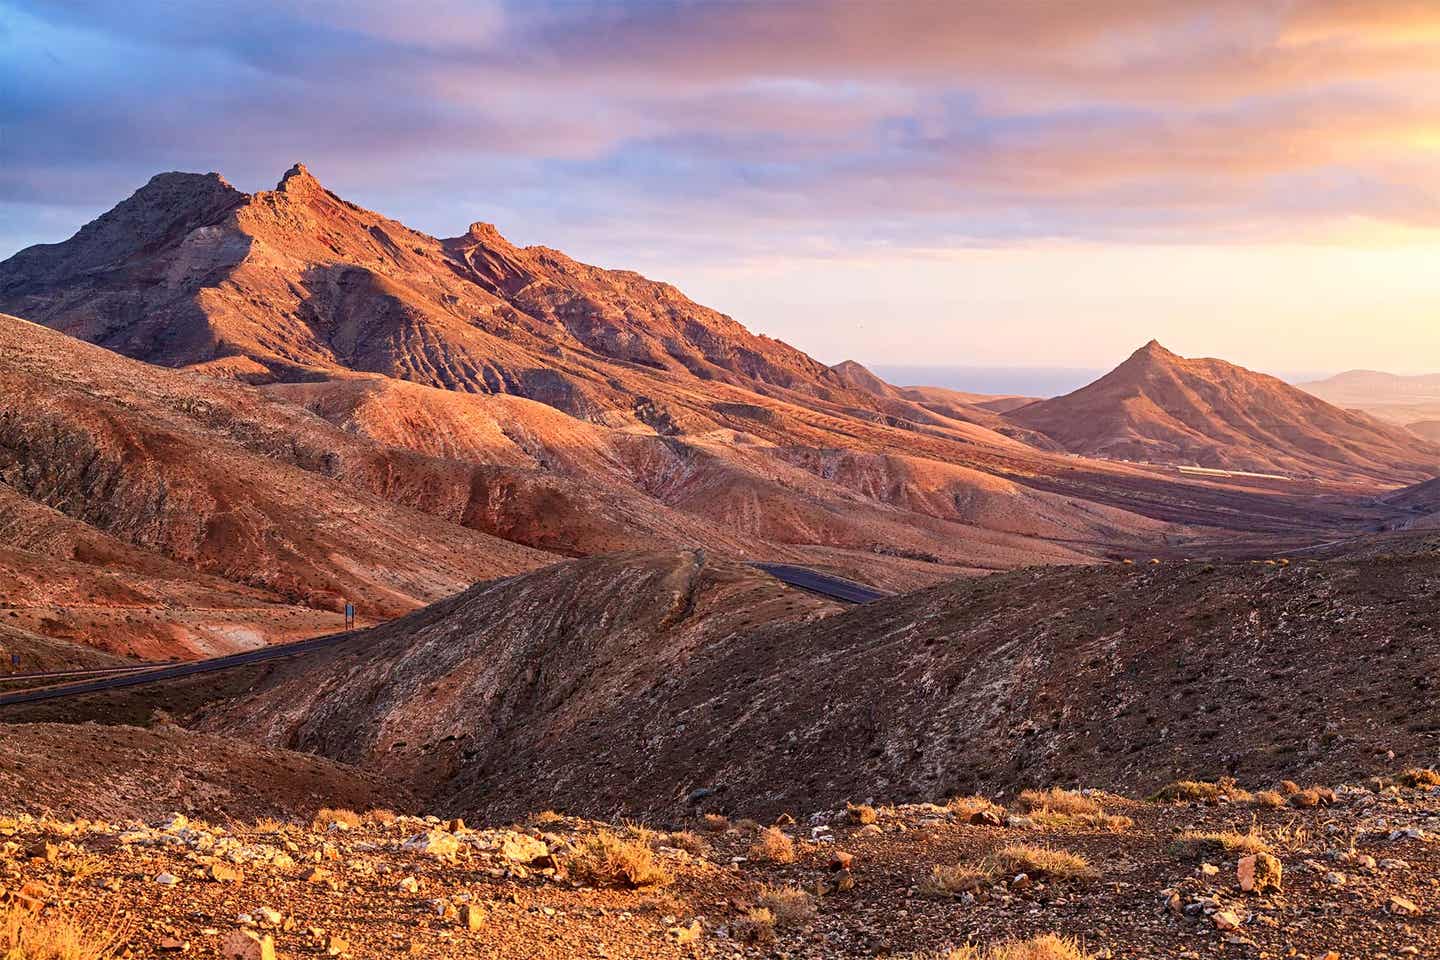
(1201, 870)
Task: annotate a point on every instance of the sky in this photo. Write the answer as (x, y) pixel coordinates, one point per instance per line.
(987, 183)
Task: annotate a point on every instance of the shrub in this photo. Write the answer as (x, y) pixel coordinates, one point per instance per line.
(774, 846)
(1047, 947)
(380, 817)
(328, 815)
(1418, 777)
(953, 880)
(1057, 800)
(1066, 808)
(27, 936)
(715, 823)
(1199, 791)
(757, 927)
(861, 813)
(967, 807)
(607, 860)
(691, 843)
(1042, 862)
(789, 905)
(1269, 798)
(1197, 844)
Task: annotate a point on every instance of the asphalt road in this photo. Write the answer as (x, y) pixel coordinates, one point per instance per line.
(172, 671)
(836, 588)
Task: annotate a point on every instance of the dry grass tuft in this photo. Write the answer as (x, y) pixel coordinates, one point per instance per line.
(27, 936)
(1066, 808)
(789, 905)
(757, 927)
(1418, 777)
(1042, 862)
(773, 846)
(689, 841)
(380, 817)
(1200, 791)
(1269, 798)
(328, 815)
(955, 879)
(715, 822)
(968, 807)
(861, 813)
(269, 825)
(1047, 947)
(606, 860)
(1198, 844)
(1057, 800)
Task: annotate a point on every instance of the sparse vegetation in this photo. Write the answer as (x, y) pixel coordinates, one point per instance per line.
(1047, 947)
(1042, 862)
(774, 846)
(954, 879)
(326, 816)
(1418, 777)
(1198, 844)
(607, 860)
(967, 807)
(1269, 798)
(789, 905)
(1200, 791)
(757, 927)
(380, 816)
(1062, 808)
(861, 813)
(29, 936)
(715, 822)
(689, 841)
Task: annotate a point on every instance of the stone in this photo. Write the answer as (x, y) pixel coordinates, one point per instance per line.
(1225, 920)
(520, 848)
(336, 946)
(840, 860)
(1402, 907)
(166, 879)
(171, 945)
(472, 916)
(269, 915)
(222, 872)
(314, 874)
(456, 825)
(409, 885)
(247, 945)
(436, 843)
(987, 818)
(1259, 872)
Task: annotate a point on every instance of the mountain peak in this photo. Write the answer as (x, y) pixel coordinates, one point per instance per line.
(298, 179)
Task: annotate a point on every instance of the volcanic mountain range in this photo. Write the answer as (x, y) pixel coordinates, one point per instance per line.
(317, 404)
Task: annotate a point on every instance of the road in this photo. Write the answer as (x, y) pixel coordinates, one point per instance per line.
(836, 588)
(172, 671)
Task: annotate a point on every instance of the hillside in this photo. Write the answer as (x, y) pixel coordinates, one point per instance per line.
(1412, 402)
(622, 686)
(1157, 407)
(152, 512)
(559, 406)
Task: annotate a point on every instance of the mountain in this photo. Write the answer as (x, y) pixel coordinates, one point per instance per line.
(1413, 402)
(628, 683)
(1157, 407)
(153, 512)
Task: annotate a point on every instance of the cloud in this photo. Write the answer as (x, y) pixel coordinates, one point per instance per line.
(803, 125)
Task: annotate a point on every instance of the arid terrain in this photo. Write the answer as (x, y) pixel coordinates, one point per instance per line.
(1145, 670)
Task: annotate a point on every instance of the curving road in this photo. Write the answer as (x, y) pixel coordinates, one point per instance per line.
(836, 588)
(99, 681)
(170, 671)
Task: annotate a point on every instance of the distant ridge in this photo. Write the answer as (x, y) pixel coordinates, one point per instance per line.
(1162, 408)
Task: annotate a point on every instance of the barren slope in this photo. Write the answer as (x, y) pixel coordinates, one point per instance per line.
(128, 489)
(625, 684)
(1158, 407)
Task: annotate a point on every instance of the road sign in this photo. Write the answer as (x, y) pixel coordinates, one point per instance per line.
(349, 614)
